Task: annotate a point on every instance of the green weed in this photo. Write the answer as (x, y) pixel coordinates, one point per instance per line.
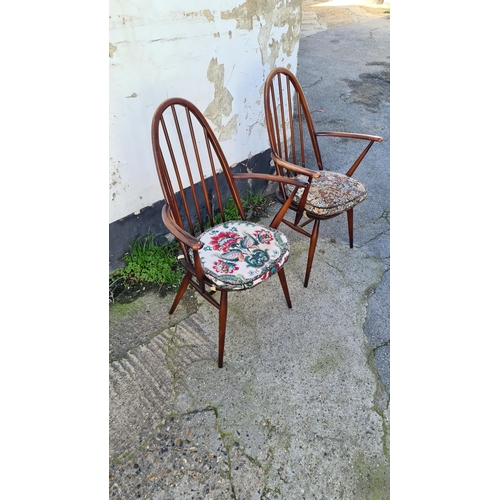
(147, 263)
(252, 203)
(230, 211)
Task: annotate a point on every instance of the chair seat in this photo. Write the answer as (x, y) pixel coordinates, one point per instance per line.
(331, 194)
(239, 254)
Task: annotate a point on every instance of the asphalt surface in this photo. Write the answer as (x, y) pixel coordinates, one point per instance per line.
(301, 408)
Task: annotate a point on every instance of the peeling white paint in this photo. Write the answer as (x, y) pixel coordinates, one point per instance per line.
(163, 49)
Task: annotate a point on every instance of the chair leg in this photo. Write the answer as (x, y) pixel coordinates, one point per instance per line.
(182, 288)
(350, 225)
(222, 324)
(312, 249)
(281, 274)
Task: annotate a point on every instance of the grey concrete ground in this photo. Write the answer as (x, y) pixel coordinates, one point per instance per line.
(345, 74)
(301, 408)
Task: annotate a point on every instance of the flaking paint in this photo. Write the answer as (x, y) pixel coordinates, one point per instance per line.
(265, 16)
(217, 58)
(222, 103)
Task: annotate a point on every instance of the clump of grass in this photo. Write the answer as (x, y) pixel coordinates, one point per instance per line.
(147, 263)
(230, 211)
(253, 202)
(151, 262)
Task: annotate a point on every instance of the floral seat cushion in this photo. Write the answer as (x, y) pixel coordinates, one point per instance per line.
(330, 194)
(237, 255)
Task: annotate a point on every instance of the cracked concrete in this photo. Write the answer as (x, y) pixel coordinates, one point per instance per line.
(344, 72)
(301, 408)
(298, 406)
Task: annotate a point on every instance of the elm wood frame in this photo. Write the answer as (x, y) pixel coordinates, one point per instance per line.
(185, 223)
(285, 147)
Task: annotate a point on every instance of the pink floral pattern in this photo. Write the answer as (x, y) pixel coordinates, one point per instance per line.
(239, 254)
(224, 240)
(223, 267)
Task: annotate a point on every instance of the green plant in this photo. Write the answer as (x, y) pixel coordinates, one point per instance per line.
(230, 211)
(251, 203)
(150, 262)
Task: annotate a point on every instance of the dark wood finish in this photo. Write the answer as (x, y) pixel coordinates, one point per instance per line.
(222, 325)
(186, 151)
(291, 133)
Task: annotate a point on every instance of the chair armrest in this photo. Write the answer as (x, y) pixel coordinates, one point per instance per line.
(296, 168)
(177, 231)
(282, 180)
(349, 135)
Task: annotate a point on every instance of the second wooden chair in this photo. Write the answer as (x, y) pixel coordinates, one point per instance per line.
(291, 130)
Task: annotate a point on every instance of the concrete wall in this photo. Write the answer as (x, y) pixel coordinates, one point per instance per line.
(217, 54)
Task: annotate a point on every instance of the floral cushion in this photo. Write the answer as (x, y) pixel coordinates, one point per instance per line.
(239, 254)
(330, 194)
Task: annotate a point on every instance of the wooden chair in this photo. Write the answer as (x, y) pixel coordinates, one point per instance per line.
(218, 255)
(292, 135)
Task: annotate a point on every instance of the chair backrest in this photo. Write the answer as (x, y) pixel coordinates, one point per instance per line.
(194, 174)
(289, 123)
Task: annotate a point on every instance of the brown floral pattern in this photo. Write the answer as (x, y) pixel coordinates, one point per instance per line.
(331, 194)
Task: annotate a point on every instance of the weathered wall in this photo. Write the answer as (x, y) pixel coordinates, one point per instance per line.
(216, 54)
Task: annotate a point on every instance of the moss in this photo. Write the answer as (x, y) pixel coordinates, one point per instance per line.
(328, 364)
(373, 479)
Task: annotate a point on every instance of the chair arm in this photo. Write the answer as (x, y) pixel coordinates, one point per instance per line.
(349, 135)
(282, 180)
(272, 178)
(296, 168)
(177, 231)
